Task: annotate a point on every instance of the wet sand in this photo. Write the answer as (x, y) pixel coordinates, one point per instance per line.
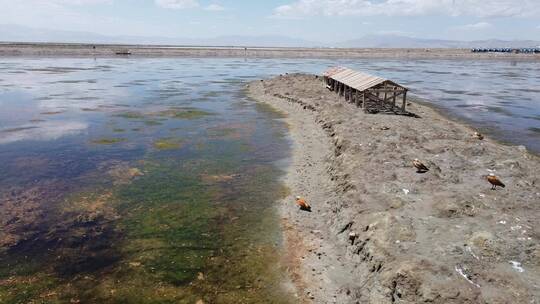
(382, 233)
(108, 50)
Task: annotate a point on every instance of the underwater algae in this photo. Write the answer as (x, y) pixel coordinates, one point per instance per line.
(187, 113)
(152, 123)
(168, 144)
(131, 115)
(166, 198)
(170, 235)
(108, 141)
(184, 113)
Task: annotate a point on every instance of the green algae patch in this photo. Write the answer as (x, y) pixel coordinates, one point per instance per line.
(108, 141)
(167, 144)
(184, 113)
(131, 115)
(269, 110)
(221, 132)
(168, 221)
(18, 289)
(177, 238)
(152, 123)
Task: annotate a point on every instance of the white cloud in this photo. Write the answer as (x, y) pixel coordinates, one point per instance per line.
(214, 7)
(475, 26)
(177, 4)
(81, 2)
(56, 14)
(479, 8)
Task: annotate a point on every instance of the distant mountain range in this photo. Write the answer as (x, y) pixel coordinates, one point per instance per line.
(395, 41)
(16, 33)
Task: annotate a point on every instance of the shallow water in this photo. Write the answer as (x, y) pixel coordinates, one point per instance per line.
(153, 180)
(137, 182)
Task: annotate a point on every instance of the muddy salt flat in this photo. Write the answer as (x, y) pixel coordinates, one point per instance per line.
(382, 232)
(145, 180)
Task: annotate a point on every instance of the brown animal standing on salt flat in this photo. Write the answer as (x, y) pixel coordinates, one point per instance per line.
(420, 167)
(495, 181)
(303, 204)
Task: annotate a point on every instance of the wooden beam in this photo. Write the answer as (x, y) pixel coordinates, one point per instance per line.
(394, 100)
(404, 101)
(364, 101)
(385, 90)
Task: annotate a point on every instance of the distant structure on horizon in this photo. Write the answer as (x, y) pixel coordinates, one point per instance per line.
(535, 50)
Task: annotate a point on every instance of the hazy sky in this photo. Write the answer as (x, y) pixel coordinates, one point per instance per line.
(319, 20)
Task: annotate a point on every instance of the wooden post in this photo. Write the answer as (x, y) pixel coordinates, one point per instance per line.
(394, 100)
(404, 101)
(364, 101)
(379, 101)
(357, 98)
(385, 96)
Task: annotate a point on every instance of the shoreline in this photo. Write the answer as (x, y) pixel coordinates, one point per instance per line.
(442, 236)
(142, 51)
(490, 133)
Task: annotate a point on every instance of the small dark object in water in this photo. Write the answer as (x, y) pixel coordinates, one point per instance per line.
(123, 53)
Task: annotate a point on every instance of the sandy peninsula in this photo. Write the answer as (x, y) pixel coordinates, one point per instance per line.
(118, 50)
(382, 233)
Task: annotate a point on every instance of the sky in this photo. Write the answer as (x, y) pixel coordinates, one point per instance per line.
(314, 20)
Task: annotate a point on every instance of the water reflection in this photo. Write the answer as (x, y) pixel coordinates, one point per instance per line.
(498, 89)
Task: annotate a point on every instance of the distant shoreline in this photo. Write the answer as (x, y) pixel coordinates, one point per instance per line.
(110, 50)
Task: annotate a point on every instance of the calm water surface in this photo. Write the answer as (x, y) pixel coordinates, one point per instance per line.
(153, 180)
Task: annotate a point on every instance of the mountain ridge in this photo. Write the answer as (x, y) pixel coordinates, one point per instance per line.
(17, 33)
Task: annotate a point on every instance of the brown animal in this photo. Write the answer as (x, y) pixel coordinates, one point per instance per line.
(495, 181)
(303, 204)
(478, 136)
(420, 167)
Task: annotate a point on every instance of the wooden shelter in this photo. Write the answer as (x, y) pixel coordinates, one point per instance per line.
(374, 94)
